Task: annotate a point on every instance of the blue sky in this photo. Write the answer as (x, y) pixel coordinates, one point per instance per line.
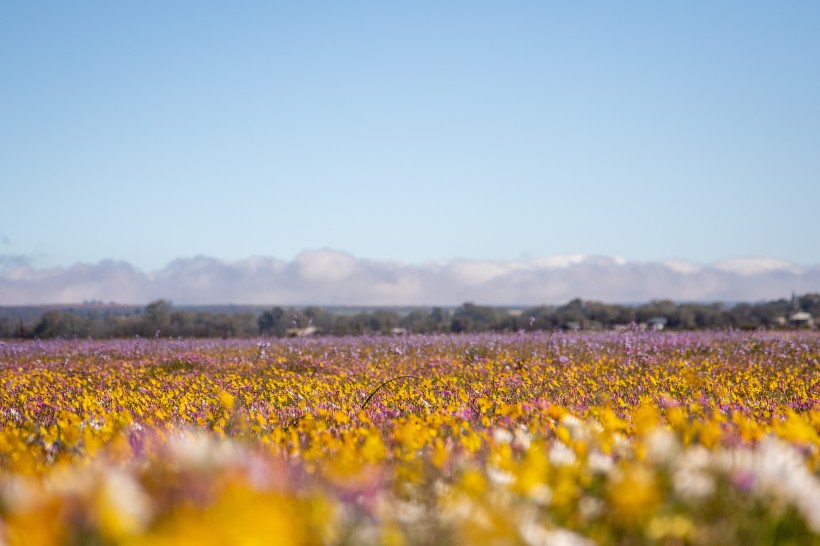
(414, 132)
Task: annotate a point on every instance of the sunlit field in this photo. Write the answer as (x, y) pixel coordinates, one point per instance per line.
(532, 438)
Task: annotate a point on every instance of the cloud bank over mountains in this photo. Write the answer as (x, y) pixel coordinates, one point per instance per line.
(329, 277)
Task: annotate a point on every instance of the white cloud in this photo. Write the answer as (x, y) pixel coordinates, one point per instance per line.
(329, 277)
(479, 273)
(756, 265)
(559, 261)
(325, 265)
(682, 266)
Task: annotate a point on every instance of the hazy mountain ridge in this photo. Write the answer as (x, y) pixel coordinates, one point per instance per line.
(333, 278)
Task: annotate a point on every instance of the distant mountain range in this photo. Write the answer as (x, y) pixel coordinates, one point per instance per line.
(337, 279)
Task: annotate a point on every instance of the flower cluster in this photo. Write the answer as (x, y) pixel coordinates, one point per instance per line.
(531, 439)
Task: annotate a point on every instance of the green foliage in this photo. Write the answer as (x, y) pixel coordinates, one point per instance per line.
(160, 318)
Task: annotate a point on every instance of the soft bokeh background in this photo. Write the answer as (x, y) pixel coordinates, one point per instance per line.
(447, 147)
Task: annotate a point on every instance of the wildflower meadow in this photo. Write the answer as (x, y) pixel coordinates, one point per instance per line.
(530, 438)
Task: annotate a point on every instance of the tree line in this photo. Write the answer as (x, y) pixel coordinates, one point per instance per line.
(159, 318)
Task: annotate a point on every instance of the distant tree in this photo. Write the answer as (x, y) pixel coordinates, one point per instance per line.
(416, 321)
(476, 318)
(440, 319)
(51, 324)
(542, 317)
(156, 318)
(273, 322)
(184, 323)
(387, 320)
(572, 314)
(9, 327)
(686, 318)
(810, 303)
(159, 316)
(601, 313)
(710, 316)
(318, 317)
(426, 321)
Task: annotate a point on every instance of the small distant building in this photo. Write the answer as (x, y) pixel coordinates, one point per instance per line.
(801, 319)
(303, 332)
(657, 324)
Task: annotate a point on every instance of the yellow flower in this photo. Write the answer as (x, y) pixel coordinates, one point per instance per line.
(226, 399)
(373, 449)
(439, 454)
(796, 429)
(646, 418)
(634, 495)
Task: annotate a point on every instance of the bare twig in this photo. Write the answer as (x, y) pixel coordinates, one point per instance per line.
(372, 394)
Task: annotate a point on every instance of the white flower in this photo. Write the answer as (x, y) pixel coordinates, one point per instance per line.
(408, 512)
(124, 501)
(579, 430)
(18, 493)
(523, 439)
(571, 422)
(692, 484)
(777, 470)
(691, 478)
(662, 446)
(540, 493)
(498, 476)
(590, 507)
(193, 450)
(600, 463)
(502, 436)
(561, 455)
(538, 535)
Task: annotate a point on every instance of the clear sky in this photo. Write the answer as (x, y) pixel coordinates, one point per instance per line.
(414, 132)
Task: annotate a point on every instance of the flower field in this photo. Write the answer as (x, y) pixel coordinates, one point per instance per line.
(531, 438)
